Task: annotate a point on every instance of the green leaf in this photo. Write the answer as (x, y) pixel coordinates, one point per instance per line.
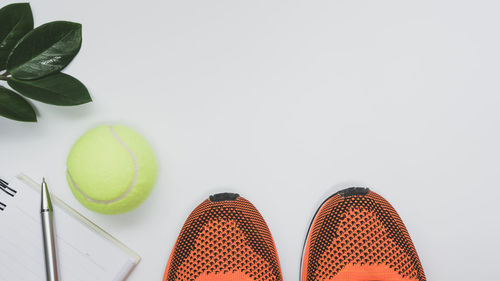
(45, 50)
(57, 89)
(15, 21)
(14, 107)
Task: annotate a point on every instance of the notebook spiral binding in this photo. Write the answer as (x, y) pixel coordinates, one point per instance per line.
(4, 186)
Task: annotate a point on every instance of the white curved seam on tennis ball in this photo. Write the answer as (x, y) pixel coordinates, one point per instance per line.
(134, 181)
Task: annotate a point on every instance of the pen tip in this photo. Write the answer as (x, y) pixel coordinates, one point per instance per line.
(46, 202)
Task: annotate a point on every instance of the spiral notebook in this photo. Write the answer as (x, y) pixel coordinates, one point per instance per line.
(85, 252)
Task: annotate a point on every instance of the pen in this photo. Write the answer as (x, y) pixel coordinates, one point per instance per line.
(49, 244)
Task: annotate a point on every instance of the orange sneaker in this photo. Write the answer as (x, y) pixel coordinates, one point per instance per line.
(356, 235)
(224, 239)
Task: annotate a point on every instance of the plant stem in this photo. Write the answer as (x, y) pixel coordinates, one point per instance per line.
(4, 76)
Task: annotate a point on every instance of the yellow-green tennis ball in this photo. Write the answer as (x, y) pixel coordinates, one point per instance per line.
(111, 169)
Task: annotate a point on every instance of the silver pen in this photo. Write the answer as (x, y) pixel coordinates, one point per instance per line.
(49, 242)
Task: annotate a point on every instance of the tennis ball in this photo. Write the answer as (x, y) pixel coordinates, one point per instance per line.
(111, 169)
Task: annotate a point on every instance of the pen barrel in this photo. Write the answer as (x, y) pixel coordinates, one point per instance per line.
(49, 246)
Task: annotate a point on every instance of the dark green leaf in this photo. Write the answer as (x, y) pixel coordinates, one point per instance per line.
(58, 89)
(15, 21)
(13, 106)
(45, 50)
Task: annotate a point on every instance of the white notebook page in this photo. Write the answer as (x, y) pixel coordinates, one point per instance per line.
(84, 252)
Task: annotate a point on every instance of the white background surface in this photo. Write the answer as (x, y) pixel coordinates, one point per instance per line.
(286, 102)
